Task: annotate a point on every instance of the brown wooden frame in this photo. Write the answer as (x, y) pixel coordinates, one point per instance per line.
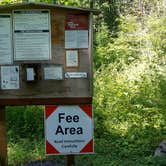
(46, 101)
(76, 91)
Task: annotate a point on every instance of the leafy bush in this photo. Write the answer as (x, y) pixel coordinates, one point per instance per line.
(25, 122)
(24, 151)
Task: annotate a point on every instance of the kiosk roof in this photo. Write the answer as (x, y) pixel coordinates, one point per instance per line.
(42, 4)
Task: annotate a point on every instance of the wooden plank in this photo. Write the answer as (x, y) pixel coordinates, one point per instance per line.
(46, 101)
(91, 51)
(3, 139)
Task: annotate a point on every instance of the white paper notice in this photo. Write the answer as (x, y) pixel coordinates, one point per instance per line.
(10, 77)
(5, 39)
(71, 39)
(32, 46)
(32, 35)
(76, 39)
(53, 72)
(75, 75)
(82, 38)
(31, 19)
(30, 74)
(72, 58)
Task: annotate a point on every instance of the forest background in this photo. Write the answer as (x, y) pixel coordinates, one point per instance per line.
(129, 100)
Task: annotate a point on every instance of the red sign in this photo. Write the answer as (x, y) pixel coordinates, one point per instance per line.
(77, 22)
(69, 129)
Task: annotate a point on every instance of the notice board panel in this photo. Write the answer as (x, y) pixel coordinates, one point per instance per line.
(31, 30)
(48, 71)
(5, 39)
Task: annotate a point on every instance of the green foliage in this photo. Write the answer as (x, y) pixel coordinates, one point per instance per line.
(25, 122)
(129, 95)
(24, 151)
(157, 34)
(77, 3)
(4, 2)
(123, 48)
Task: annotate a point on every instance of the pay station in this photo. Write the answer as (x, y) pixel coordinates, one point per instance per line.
(45, 58)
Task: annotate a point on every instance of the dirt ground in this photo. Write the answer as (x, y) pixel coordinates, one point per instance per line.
(44, 163)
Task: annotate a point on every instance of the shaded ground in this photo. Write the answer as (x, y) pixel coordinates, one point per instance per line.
(44, 163)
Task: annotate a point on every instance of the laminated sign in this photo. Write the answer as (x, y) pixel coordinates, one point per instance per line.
(69, 129)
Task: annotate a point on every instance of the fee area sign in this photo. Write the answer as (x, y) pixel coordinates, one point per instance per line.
(68, 129)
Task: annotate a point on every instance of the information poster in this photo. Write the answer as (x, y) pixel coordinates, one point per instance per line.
(10, 77)
(76, 31)
(5, 39)
(31, 20)
(32, 35)
(77, 22)
(72, 58)
(82, 38)
(76, 39)
(53, 73)
(71, 39)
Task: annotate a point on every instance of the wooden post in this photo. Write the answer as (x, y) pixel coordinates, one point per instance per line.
(70, 160)
(3, 140)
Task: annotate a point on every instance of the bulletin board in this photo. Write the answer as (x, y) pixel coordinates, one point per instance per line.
(45, 54)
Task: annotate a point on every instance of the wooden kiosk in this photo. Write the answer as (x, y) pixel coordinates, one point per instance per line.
(45, 57)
